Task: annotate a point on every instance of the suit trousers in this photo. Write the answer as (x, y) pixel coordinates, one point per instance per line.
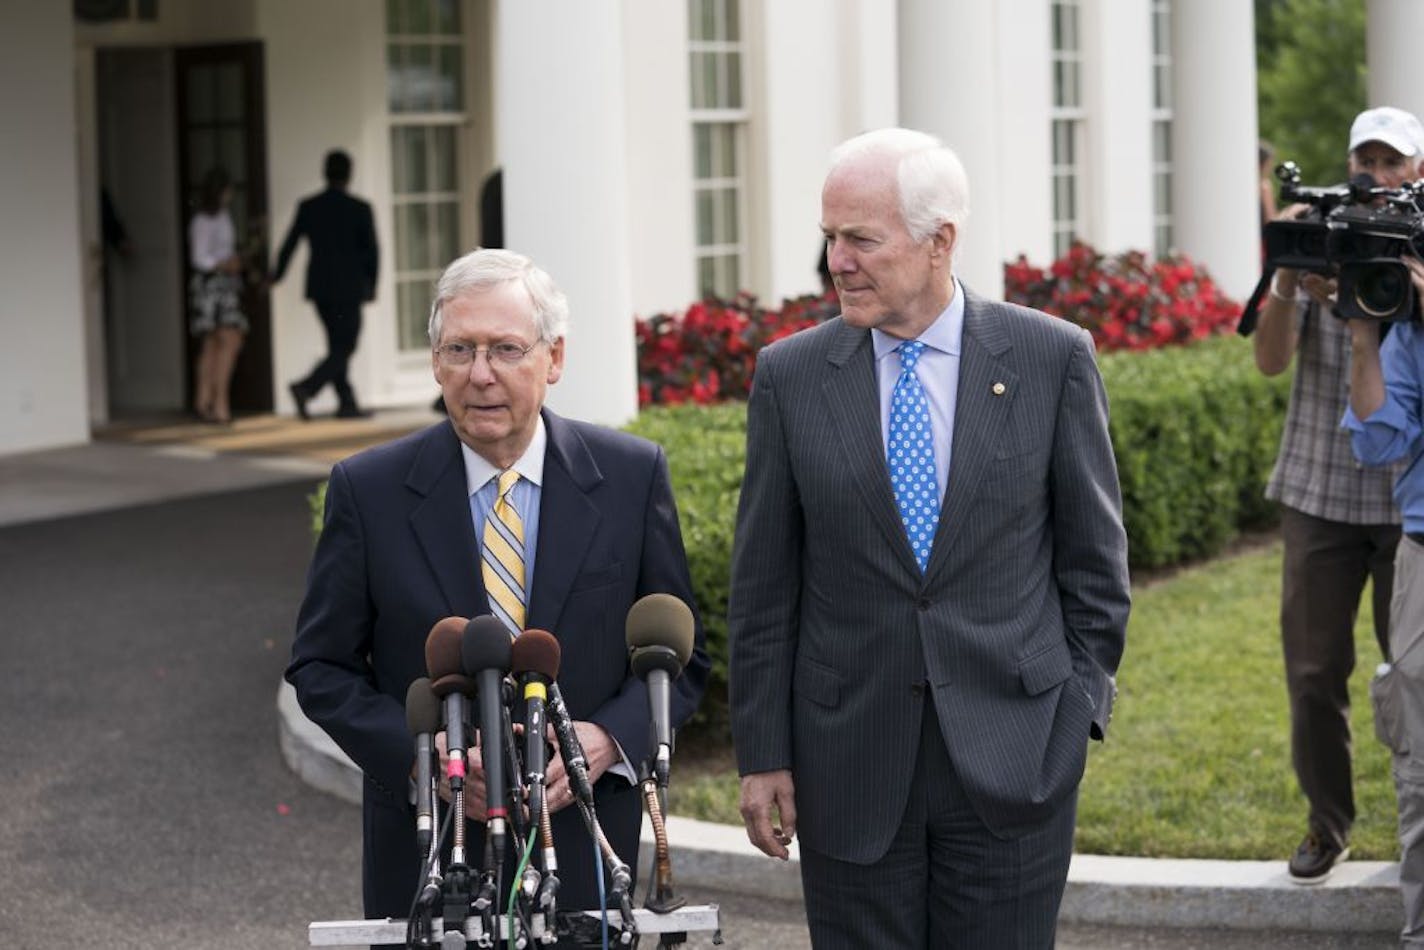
(342, 321)
(1323, 578)
(947, 881)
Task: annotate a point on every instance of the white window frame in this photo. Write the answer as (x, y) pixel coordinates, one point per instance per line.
(1073, 117)
(736, 120)
(457, 121)
(1162, 102)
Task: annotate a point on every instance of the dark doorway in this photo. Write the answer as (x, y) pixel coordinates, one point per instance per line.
(221, 115)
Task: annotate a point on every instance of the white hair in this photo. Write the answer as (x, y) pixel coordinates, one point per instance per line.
(487, 268)
(929, 178)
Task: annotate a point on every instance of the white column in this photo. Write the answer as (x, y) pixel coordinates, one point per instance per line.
(950, 87)
(1117, 66)
(1392, 32)
(1023, 205)
(1215, 195)
(818, 73)
(43, 377)
(562, 125)
(661, 249)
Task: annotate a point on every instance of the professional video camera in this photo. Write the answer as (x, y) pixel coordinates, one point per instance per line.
(1357, 233)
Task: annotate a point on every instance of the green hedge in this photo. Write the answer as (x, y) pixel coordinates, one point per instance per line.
(1195, 429)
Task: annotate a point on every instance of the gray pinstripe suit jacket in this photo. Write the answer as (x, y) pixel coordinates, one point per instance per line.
(1017, 625)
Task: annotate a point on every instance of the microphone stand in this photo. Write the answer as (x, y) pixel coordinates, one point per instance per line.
(577, 767)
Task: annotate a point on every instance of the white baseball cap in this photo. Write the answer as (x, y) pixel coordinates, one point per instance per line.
(1396, 128)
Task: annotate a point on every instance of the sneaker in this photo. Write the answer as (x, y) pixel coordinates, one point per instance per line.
(1315, 859)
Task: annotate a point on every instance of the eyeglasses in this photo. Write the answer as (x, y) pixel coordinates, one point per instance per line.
(463, 354)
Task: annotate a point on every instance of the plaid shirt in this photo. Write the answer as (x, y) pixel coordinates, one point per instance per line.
(1316, 472)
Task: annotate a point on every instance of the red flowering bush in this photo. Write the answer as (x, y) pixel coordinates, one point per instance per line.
(707, 354)
(1126, 302)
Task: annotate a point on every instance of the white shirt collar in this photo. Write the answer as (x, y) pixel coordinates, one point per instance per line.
(530, 465)
(945, 334)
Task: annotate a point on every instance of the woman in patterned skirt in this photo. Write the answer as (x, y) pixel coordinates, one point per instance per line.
(215, 298)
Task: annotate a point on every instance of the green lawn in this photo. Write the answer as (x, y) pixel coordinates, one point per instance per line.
(1197, 762)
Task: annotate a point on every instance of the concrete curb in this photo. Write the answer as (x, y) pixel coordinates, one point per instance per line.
(1360, 896)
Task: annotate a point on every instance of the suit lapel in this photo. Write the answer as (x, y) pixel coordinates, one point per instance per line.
(986, 392)
(441, 521)
(853, 398)
(568, 520)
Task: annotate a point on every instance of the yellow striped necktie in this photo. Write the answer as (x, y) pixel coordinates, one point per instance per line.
(502, 556)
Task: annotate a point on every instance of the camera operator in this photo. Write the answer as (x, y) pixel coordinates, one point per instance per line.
(1338, 521)
(1384, 419)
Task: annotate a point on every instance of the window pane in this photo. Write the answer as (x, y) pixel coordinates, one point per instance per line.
(418, 16)
(705, 224)
(442, 158)
(413, 237)
(409, 147)
(1162, 141)
(202, 106)
(412, 300)
(1162, 188)
(395, 78)
(728, 280)
(447, 17)
(232, 154)
(202, 153)
(732, 69)
(710, 89)
(420, 73)
(727, 151)
(229, 92)
(447, 232)
(701, 151)
(728, 226)
(733, 25)
(450, 92)
(1070, 26)
(706, 277)
(395, 17)
(1060, 96)
(697, 79)
(1058, 42)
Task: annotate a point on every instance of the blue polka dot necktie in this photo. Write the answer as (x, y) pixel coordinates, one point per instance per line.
(910, 455)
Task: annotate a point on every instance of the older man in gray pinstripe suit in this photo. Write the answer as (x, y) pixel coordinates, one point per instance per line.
(922, 648)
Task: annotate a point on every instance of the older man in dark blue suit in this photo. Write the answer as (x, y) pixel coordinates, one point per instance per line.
(401, 549)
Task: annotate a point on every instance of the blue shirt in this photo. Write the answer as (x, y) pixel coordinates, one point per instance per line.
(482, 483)
(938, 371)
(1392, 431)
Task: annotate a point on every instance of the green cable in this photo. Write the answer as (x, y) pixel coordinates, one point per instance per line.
(514, 891)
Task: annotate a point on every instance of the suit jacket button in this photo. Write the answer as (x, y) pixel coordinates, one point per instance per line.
(924, 603)
(917, 690)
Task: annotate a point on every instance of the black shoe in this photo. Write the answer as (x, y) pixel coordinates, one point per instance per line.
(300, 397)
(353, 412)
(1315, 859)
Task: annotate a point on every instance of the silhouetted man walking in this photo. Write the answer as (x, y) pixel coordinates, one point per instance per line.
(341, 275)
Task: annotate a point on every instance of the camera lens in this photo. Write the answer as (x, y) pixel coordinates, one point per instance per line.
(1381, 290)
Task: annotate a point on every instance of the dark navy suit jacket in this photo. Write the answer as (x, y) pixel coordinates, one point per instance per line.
(398, 552)
(342, 256)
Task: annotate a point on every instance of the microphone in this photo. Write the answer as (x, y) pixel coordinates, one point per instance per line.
(422, 717)
(485, 653)
(659, 633)
(534, 659)
(449, 682)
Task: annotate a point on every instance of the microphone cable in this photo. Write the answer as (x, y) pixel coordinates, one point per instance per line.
(602, 898)
(427, 866)
(514, 894)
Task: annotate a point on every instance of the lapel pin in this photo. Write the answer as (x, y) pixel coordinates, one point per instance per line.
(997, 389)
